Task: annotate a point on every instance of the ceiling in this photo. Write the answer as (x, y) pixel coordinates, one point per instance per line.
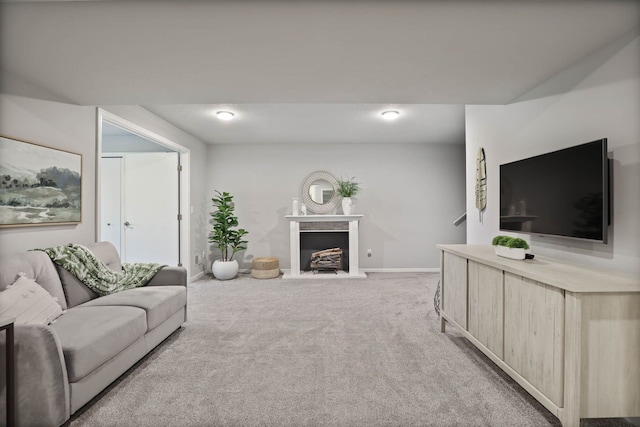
(301, 71)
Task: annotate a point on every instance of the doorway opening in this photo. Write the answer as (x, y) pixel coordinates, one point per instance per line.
(142, 192)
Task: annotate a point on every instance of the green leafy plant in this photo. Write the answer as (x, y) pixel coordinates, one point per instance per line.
(347, 187)
(224, 235)
(510, 242)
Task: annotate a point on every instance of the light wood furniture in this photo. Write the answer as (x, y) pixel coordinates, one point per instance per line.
(568, 334)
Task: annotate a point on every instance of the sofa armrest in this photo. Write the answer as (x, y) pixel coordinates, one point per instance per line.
(169, 276)
(42, 387)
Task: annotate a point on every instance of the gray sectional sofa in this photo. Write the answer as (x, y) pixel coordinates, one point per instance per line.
(62, 366)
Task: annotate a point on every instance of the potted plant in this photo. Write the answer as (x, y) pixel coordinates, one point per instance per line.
(226, 237)
(347, 188)
(510, 247)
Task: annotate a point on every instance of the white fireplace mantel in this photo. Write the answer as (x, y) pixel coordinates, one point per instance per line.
(323, 225)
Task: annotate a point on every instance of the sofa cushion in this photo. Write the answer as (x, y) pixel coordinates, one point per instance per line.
(29, 303)
(90, 336)
(75, 291)
(159, 302)
(36, 265)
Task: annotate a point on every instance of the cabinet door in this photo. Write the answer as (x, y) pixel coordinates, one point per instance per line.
(534, 334)
(610, 361)
(454, 288)
(486, 306)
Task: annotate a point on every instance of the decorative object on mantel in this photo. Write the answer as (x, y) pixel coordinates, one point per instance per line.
(318, 192)
(510, 247)
(327, 260)
(225, 237)
(481, 183)
(303, 209)
(347, 188)
(294, 207)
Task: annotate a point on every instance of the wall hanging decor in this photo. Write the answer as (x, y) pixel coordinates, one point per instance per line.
(318, 192)
(39, 185)
(481, 182)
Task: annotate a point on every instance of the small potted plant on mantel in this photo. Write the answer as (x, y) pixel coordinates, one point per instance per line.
(347, 188)
(228, 239)
(510, 247)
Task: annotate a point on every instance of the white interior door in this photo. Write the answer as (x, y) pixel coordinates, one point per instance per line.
(151, 208)
(111, 201)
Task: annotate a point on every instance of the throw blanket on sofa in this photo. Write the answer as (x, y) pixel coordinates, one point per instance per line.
(82, 263)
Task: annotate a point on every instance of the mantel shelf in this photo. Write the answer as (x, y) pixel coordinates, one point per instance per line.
(323, 218)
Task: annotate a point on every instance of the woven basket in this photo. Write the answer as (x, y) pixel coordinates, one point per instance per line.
(265, 268)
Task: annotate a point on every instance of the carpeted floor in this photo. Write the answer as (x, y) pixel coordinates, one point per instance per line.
(353, 352)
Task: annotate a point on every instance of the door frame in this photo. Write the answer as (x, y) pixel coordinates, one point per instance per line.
(99, 224)
(184, 185)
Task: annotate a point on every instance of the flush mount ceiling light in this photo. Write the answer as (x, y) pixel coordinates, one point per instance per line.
(225, 115)
(390, 115)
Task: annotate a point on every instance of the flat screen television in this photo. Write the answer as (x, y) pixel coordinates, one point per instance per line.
(564, 193)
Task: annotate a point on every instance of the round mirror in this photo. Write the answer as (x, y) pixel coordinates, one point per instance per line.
(321, 191)
(318, 192)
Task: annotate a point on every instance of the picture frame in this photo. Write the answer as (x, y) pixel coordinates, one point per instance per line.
(39, 185)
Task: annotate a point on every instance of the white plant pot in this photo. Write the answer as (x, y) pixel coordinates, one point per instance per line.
(346, 205)
(224, 270)
(512, 253)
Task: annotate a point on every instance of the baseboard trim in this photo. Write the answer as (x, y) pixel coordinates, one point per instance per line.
(196, 277)
(401, 270)
(389, 270)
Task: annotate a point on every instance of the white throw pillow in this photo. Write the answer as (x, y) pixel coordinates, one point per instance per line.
(28, 303)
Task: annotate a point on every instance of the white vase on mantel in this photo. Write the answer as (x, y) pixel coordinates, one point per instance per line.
(347, 203)
(295, 207)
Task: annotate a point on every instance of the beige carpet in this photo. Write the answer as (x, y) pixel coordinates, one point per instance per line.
(316, 353)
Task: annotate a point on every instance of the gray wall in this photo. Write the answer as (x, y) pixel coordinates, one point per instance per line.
(131, 144)
(410, 195)
(596, 98)
(56, 125)
(73, 128)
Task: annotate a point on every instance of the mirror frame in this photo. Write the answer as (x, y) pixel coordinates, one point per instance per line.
(312, 206)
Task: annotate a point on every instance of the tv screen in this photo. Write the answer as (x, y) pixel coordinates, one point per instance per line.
(563, 193)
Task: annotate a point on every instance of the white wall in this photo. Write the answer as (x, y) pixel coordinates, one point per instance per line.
(56, 125)
(410, 195)
(599, 97)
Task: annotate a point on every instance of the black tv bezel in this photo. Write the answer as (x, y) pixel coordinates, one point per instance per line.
(606, 202)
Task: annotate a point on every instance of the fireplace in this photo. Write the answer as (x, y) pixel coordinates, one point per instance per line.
(315, 233)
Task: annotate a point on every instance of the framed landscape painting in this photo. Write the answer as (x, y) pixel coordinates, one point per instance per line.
(39, 185)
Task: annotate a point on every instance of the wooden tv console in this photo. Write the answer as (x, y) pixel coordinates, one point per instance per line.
(568, 334)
